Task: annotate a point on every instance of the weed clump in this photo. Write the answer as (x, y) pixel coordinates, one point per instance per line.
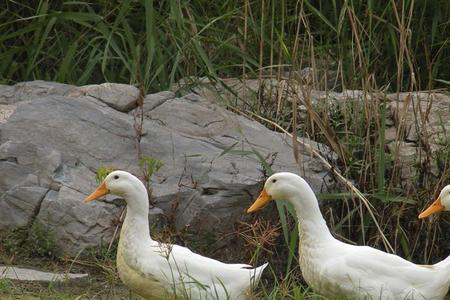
(36, 241)
(41, 241)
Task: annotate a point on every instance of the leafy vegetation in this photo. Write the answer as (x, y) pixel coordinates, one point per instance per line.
(10, 290)
(39, 241)
(155, 43)
(149, 165)
(102, 172)
(42, 241)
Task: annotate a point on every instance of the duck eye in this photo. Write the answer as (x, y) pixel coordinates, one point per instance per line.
(274, 180)
(116, 177)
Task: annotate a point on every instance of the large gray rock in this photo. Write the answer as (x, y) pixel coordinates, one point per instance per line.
(27, 90)
(422, 140)
(122, 97)
(54, 137)
(423, 115)
(206, 186)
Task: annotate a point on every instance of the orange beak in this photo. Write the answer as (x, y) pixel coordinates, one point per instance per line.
(435, 207)
(262, 200)
(102, 190)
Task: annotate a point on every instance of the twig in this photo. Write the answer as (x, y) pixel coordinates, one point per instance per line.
(116, 230)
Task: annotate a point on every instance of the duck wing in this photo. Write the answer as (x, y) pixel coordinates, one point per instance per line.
(383, 275)
(185, 269)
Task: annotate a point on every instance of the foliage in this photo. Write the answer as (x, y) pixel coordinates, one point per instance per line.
(6, 287)
(156, 43)
(41, 241)
(11, 243)
(102, 172)
(36, 241)
(150, 165)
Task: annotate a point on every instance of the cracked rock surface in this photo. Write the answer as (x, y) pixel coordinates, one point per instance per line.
(53, 138)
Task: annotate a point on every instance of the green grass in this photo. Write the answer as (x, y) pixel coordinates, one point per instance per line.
(28, 242)
(11, 290)
(156, 43)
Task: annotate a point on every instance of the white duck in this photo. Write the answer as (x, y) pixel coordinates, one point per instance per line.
(155, 270)
(442, 203)
(336, 269)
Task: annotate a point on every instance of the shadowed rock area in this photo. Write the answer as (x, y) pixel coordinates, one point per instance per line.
(54, 137)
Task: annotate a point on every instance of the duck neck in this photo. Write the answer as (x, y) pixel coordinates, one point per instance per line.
(136, 225)
(311, 224)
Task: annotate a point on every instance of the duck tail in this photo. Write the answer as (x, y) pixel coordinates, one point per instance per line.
(443, 264)
(256, 273)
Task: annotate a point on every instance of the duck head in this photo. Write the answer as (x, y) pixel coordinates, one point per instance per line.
(442, 203)
(118, 183)
(279, 186)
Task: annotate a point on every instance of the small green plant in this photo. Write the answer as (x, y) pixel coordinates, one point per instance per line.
(41, 241)
(102, 172)
(6, 287)
(11, 243)
(103, 253)
(51, 293)
(150, 165)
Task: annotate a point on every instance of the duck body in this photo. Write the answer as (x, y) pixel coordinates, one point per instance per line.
(338, 270)
(157, 270)
(362, 272)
